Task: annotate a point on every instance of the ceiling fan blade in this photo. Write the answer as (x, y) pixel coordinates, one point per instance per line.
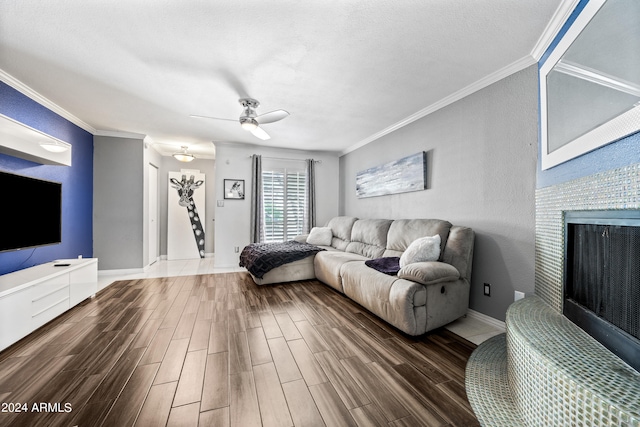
(195, 116)
(260, 133)
(272, 116)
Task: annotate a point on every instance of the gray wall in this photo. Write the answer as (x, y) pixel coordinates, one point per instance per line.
(482, 153)
(233, 219)
(118, 202)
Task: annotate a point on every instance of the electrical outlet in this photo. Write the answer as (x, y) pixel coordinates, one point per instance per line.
(487, 289)
(236, 249)
(518, 295)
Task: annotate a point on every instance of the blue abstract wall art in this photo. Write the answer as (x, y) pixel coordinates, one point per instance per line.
(400, 176)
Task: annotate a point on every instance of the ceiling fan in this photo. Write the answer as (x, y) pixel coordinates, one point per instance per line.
(250, 121)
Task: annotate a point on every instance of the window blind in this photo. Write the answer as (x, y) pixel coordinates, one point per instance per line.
(284, 201)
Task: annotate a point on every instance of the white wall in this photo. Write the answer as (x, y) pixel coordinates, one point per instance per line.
(482, 153)
(206, 166)
(232, 221)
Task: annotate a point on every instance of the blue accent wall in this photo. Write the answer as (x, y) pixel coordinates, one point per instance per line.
(570, 20)
(77, 182)
(623, 152)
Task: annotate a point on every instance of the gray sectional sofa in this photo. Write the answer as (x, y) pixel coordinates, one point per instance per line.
(422, 296)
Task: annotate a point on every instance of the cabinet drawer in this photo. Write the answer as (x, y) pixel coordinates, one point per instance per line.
(54, 296)
(44, 288)
(56, 308)
(49, 299)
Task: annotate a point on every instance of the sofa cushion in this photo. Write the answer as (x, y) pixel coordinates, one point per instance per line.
(341, 229)
(429, 273)
(320, 236)
(404, 231)
(389, 297)
(328, 267)
(369, 237)
(422, 249)
(293, 271)
(459, 250)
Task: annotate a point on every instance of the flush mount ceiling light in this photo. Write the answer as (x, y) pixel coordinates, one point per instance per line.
(54, 147)
(183, 156)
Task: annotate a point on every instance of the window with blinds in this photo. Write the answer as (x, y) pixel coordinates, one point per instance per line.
(284, 201)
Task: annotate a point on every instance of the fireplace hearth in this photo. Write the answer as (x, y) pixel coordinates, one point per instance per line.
(547, 370)
(602, 278)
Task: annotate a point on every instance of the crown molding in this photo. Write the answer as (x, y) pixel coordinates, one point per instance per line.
(27, 91)
(120, 134)
(552, 29)
(560, 16)
(510, 69)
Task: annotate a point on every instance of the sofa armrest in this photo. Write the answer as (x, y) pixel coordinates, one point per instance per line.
(429, 272)
(301, 238)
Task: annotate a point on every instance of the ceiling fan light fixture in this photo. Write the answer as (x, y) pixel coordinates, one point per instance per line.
(183, 156)
(248, 124)
(250, 121)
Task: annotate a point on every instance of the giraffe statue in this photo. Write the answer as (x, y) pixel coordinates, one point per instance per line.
(185, 191)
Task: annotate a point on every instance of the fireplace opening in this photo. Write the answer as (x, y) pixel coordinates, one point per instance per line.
(602, 278)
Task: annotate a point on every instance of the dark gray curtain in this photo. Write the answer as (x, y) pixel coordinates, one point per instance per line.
(310, 217)
(256, 199)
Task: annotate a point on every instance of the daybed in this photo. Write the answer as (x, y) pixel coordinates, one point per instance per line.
(421, 296)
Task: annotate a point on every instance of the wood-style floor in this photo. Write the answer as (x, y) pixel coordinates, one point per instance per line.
(217, 350)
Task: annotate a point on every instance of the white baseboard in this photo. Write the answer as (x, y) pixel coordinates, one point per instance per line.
(164, 257)
(486, 319)
(229, 266)
(122, 272)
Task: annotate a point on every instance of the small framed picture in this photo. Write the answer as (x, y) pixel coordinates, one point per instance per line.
(234, 189)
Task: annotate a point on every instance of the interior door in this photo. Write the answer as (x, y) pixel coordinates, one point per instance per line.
(153, 214)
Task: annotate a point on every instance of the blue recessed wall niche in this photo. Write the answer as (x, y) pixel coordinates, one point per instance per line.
(623, 152)
(77, 183)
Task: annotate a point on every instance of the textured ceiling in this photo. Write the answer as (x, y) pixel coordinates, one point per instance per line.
(345, 70)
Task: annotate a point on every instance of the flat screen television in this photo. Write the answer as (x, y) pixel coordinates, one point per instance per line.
(30, 212)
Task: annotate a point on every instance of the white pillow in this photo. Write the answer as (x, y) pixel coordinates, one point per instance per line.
(420, 250)
(320, 236)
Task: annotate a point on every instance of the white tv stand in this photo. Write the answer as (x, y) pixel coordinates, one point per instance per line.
(31, 297)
